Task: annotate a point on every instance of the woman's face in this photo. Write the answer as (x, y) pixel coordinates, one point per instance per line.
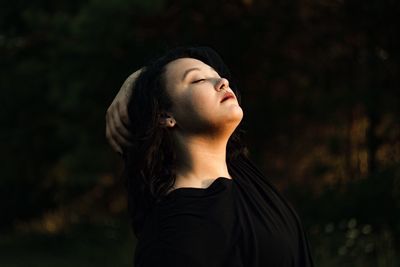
(196, 91)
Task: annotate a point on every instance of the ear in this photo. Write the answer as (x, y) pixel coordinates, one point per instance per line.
(166, 119)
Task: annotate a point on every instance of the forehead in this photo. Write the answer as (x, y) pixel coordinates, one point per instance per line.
(176, 68)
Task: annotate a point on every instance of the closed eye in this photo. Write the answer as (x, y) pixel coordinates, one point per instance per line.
(198, 80)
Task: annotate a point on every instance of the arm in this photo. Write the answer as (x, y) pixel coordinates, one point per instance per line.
(117, 118)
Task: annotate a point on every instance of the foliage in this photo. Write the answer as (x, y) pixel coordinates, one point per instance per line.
(319, 82)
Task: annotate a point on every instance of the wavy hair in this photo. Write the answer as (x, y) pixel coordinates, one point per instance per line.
(149, 164)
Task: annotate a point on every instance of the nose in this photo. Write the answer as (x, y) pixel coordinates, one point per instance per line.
(222, 84)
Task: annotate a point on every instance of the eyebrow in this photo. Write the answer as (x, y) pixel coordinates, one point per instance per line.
(191, 69)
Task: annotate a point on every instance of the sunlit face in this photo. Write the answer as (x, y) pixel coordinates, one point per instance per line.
(196, 90)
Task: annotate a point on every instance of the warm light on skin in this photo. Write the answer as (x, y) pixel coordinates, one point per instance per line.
(202, 123)
(196, 90)
(192, 69)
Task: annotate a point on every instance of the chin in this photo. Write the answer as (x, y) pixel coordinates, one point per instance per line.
(235, 118)
(238, 113)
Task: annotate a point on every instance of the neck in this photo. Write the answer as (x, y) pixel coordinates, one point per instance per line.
(201, 160)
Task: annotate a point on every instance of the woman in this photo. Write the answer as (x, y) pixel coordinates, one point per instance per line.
(195, 197)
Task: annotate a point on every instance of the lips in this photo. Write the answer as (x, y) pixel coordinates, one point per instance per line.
(226, 96)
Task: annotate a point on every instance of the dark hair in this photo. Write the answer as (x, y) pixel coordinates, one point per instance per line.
(149, 164)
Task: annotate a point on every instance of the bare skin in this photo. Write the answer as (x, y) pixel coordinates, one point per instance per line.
(117, 118)
(201, 124)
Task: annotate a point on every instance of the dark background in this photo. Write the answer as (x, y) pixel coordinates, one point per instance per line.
(320, 86)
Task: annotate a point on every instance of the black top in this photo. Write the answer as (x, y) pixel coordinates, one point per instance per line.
(238, 222)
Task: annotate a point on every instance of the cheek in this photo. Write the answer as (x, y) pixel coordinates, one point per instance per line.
(196, 103)
(203, 101)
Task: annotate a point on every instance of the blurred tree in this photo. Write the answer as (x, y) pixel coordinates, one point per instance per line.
(319, 82)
